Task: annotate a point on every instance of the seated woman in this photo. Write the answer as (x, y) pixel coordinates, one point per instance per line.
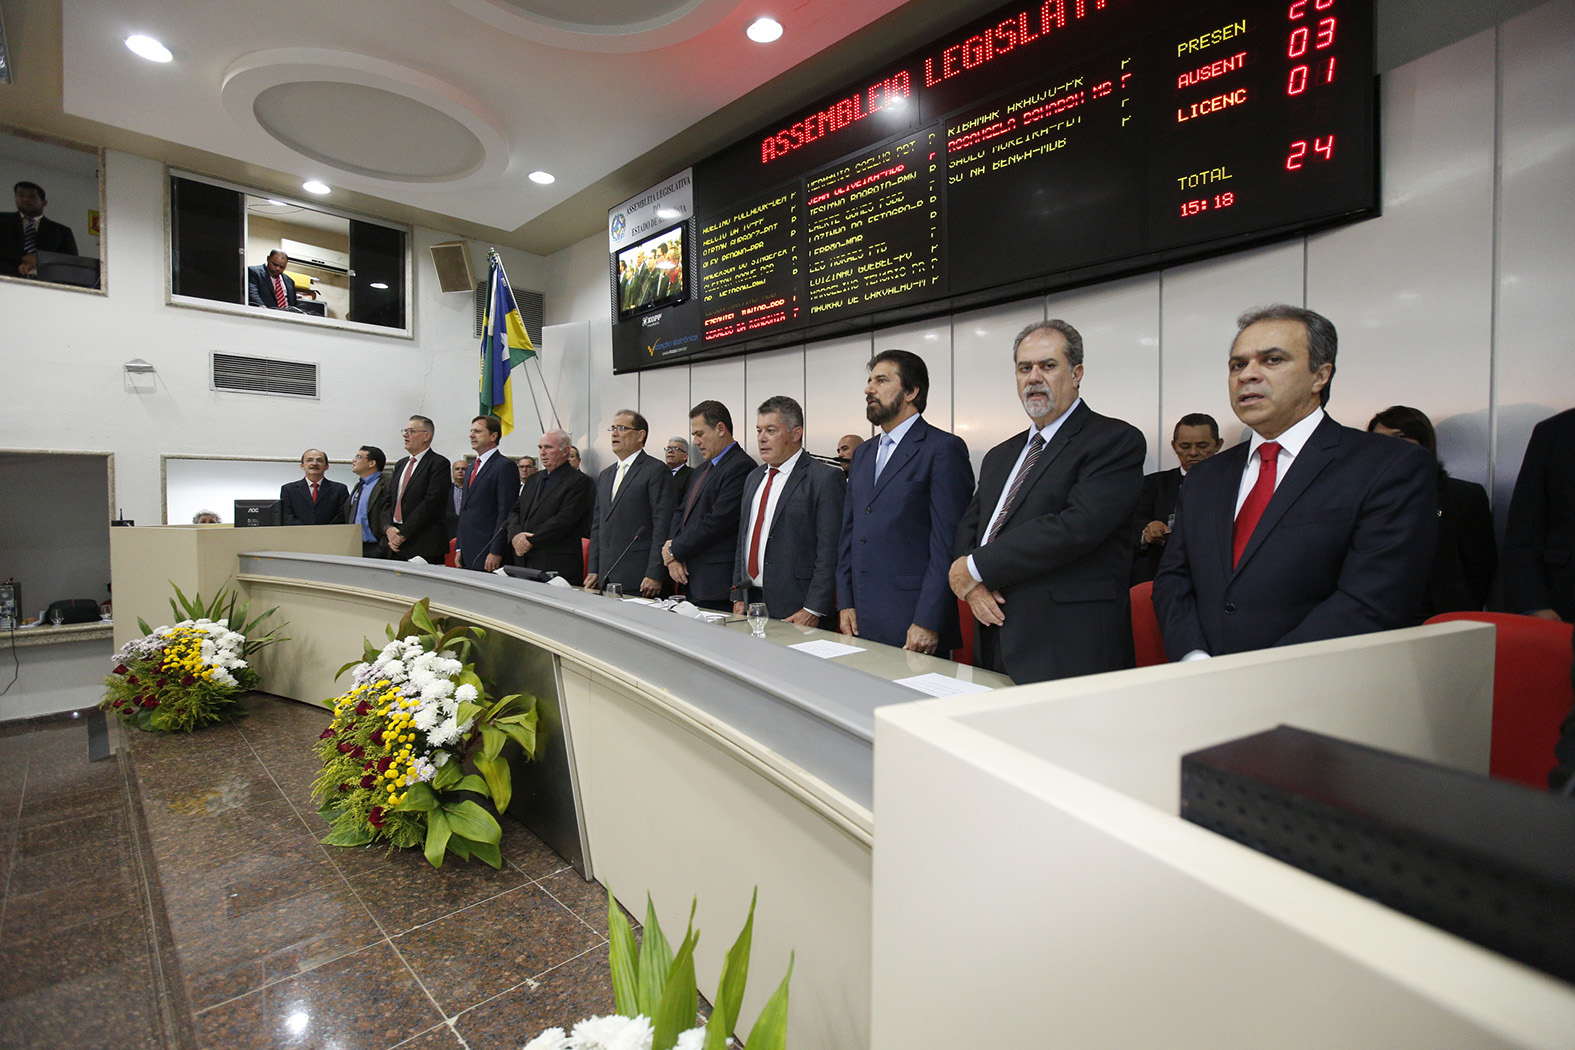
(1467, 553)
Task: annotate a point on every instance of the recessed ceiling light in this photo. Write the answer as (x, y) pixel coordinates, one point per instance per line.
(764, 30)
(545, 178)
(379, 285)
(316, 187)
(148, 48)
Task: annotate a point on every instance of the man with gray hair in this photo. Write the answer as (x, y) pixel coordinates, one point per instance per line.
(553, 512)
(1043, 553)
(1309, 530)
(676, 455)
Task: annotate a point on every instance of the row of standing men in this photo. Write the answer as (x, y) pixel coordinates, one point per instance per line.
(1307, 530)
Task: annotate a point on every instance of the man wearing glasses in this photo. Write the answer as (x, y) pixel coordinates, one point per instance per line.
(634, 508)
(677, 456)
(421, 490)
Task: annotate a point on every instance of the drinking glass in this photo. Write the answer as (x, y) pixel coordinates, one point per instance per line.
(614, 590)
(758, 619)
(57, 617)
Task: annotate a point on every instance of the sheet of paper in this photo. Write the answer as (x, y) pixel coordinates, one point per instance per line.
(825, 648)
(933, 684)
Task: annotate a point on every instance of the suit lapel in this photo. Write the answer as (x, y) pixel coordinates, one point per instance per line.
(1224, 482)
(793, 481)
(635, 466)
(902, 454)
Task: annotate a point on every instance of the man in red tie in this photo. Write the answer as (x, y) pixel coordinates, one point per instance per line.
(1309, 530)
(790, 522)
(314, 500)
(269, 286)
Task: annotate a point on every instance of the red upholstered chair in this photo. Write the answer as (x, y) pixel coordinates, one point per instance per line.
(449, 559)
(965, 621)
(585, 558)
(1146, 639)
(1531, 693)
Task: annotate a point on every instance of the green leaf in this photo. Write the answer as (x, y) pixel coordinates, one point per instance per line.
(143, 624)
(656, 959)
(621, 958)
(438, 832)
(447, 776)
(730, 987)
(486, 851)
(770, 1030)
(471, 821)
(460, 846)
(500, 784)
(421, 616)
(419, 798)
(680, 999)
(466, 711)
(357, 836)
(524, 736)
(352, 663)
(471, 782)
(492, 740)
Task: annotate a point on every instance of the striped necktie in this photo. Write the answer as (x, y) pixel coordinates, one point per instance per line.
(1036, 445)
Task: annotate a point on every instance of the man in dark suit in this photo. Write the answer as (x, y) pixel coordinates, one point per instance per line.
(1194, 439)
(370, 505)
(313, 500)
(700, 546)
(1043, 552)
(456, 497)
(421, 488)
(491, 489)
(634, 510)
(789, 525)
(552, 513)
(1308, 531)
(266, 284)
(906, 493)
(27, 231)
(676, 455)
(1539, 542)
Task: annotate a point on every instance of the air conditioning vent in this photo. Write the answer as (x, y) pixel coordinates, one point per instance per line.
(262, 375)
(531, 311)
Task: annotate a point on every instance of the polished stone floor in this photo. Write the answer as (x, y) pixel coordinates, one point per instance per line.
(176, 895)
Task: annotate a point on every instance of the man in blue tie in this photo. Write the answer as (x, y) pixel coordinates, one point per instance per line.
(370, 505)
(1043, 553)
(906, 491)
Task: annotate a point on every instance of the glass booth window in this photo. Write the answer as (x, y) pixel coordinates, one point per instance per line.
(230, 246)
(54, 235)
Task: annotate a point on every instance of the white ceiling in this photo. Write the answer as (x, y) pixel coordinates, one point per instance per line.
(444, 106)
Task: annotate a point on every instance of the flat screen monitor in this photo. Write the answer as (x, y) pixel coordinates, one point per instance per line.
(650, 274)
(256, 512)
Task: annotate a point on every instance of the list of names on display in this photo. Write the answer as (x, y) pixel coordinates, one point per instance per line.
(750, 266)
(874, 228)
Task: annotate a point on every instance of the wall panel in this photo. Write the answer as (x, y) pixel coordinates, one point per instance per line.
(987, 410)
(767, 375)
(721, 381)
(834, 396)
(931, 340)
(1119, 322)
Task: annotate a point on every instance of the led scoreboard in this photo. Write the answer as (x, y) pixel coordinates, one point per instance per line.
(1049, 144)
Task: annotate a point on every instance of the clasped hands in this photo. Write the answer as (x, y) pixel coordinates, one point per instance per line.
(985, 603)
(675, 568)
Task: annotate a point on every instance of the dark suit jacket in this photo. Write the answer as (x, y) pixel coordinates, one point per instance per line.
(1063, 555)
(422, 506)
(1467, 553)
(680, 479)
(558, 515)
(1539, 542)
(379, 511)
(296, 506)
(484, 516)
(643, 509)
(898, 534)
(1344, 547)
(1157, 502)
(801, 539)
(707, 540)
(51, 236)
(259, 289)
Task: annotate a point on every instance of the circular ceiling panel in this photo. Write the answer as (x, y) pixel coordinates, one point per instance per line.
(369, 131)
(365, 117)
(606, 26)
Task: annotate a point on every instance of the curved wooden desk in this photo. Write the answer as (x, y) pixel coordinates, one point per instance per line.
(679, 758)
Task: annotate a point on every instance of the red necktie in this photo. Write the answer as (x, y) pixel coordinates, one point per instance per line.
(694, 490)
(278, 292)
(314, 492)
(760, 520)
(399, 499)
(1252, 508)
(475, 468)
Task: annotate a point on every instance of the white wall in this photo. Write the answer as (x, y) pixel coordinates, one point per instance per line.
(63, 384)
(1454, 300)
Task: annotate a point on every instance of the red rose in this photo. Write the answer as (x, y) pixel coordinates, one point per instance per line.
(347, 787)
(119, 669)
(325, 734)
(384, 763)
(117, 703)
(132, 679)
(357, 751)
(374, 816)
(362, 708)
(367, 764)
(345, 747)
(368, 780)
(150, 703)
(187, 680)
(377, 737)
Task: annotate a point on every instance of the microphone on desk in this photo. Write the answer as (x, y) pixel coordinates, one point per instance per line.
(602, 580)
(484, 548)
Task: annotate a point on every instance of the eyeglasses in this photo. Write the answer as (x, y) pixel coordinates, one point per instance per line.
(619, 428)
(407, 432)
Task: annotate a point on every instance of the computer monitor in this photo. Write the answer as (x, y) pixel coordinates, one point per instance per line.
(250, 512)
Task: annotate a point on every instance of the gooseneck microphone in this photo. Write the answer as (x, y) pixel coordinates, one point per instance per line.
(604, 577)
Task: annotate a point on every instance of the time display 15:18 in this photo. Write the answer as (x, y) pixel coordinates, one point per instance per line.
(1203, 204)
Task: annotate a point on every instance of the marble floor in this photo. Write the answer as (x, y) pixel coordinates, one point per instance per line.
(176, 895)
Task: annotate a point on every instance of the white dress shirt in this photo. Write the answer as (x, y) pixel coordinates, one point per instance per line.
(777, 485)
(1046, 432)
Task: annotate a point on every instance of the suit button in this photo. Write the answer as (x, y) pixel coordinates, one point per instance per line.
(863, 541)
(1230, 607)
(869, 510)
